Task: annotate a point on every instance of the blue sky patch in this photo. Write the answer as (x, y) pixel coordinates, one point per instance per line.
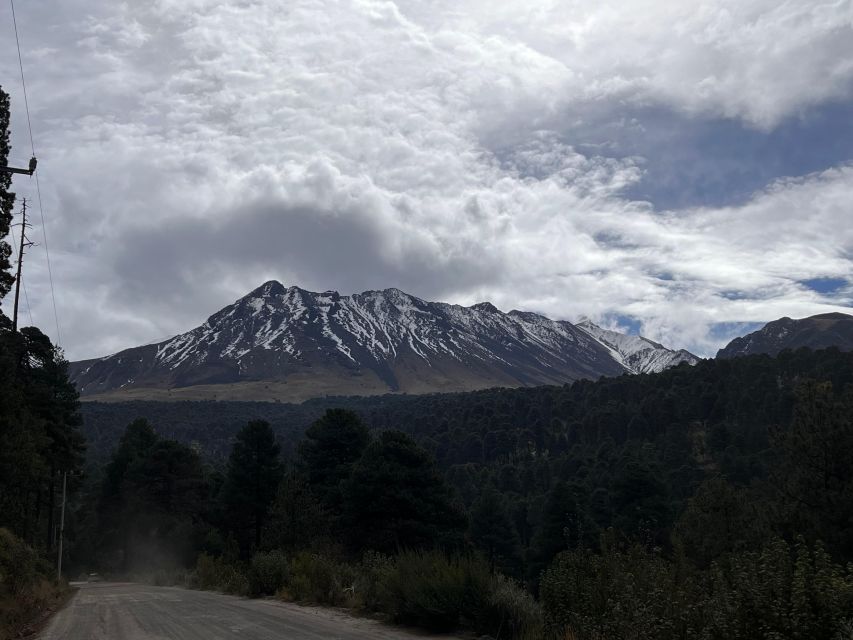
(694, 161)
(727, 331)
(826, 286)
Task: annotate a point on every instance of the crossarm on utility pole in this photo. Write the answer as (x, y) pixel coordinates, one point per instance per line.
(27, 172)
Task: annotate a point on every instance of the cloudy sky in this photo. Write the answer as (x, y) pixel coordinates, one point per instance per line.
(682, 169)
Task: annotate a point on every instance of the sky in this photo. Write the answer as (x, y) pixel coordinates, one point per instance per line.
(680, 169)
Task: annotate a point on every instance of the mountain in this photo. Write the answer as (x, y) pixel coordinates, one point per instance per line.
(281, 343)
(816, 332)
(636, 353)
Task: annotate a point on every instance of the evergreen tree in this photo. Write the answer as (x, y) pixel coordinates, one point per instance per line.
(813, 472)
(165, 496)
(138, 438)
(329, 450)
(565, 524)
(492, 531)
(39, 432)
(395, 499)
(7, 198)
(52, 399)
(114, 522)
(297, 519)
(640, 502)
(254, 473)
(719, 519)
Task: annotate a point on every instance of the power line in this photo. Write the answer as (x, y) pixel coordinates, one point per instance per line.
(23, 82)
(38, 186)
(49, 270)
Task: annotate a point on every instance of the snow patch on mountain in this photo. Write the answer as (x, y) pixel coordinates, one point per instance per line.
(636, 353)
(401, 340)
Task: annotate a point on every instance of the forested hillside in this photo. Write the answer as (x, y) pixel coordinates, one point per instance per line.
(709, 501)
(719, 400)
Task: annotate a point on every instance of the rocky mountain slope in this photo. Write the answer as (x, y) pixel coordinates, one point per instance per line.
(815, 332)
(281, 343)
(636, 353)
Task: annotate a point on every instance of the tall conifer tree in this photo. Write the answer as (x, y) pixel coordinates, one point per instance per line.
(7, 198)
(254, 473)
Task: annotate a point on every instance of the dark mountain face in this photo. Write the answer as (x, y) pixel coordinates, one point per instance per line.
(816, 332)
(292, 344)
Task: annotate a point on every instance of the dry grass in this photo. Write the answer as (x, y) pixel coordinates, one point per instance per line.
(24, 615)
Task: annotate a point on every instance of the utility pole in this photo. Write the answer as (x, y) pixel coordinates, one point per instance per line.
(24, 243)
(61, 529)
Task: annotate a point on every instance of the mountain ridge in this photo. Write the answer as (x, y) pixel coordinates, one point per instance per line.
(815, 332)
(639, 354)
(297, 343)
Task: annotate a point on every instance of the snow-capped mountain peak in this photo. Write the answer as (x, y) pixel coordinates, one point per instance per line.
(371, 342)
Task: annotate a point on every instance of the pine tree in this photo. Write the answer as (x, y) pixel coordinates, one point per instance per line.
(813, 473)
(114, 517)
(254, 473)
(7, 198)
(565, 524)
(493, 532)
(297, 519)
(165, 493)
(718, 520)
(395, 499)
(52, 399)
(331, 447)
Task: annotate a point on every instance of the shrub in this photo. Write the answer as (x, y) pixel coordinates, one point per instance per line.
(316, 577)
(218, 574)
(437, 593)
(18, 564)
(634, 593)
(510, 612)
(370, 581)
(778, 592)
(268, 573)
(25, 588)
(782, 588)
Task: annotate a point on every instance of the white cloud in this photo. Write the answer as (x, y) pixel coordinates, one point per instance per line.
(192, 149)
(760, 60)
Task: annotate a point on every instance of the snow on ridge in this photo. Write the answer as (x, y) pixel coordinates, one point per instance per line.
(384, 324)
(636, 353)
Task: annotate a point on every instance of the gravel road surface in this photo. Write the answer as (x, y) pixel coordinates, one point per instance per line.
(125, 611)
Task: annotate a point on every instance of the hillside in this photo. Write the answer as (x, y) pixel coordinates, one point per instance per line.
(628, 406)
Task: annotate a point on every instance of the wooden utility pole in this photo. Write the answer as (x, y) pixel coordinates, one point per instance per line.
(61, 530)
(24, 243)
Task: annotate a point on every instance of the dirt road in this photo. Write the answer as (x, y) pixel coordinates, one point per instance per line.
(124, 611)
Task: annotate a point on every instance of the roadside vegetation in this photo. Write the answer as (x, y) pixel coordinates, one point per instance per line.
(28, 590)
